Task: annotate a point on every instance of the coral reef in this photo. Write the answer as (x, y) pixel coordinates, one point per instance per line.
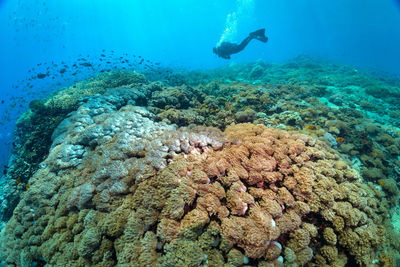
(101, 174)
(35, 127)
(118, 188)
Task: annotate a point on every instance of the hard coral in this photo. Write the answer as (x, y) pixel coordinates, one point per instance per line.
(192, 196)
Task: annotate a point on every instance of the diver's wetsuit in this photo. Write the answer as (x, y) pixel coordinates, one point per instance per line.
(226, 49)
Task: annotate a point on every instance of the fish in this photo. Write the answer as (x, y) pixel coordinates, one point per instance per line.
(340, 140)
(42, 75)
(86, 64)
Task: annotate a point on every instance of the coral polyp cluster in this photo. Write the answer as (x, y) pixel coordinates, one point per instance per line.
(119, 188)
(272, 197)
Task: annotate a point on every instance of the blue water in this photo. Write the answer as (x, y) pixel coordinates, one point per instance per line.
(181, 33)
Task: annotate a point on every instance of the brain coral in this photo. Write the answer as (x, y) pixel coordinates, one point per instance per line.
(120, 189)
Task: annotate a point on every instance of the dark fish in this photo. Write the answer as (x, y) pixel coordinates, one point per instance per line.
(141, 61)
(86, 64)
(2, 101)
(63, 71)
(103, 55)
(41, 75)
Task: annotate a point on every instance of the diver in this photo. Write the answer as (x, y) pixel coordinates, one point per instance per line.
(226, 49)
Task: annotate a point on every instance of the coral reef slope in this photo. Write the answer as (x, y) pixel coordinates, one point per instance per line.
(251, 165)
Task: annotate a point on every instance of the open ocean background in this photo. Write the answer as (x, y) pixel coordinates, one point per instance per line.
(180, 33)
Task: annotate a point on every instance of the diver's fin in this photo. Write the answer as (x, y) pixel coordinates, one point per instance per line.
(259, 35)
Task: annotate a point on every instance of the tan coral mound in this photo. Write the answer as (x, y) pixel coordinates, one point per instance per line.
(266, 197)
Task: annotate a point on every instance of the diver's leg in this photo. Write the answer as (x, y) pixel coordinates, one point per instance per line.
(259, 35)
(244, 43)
